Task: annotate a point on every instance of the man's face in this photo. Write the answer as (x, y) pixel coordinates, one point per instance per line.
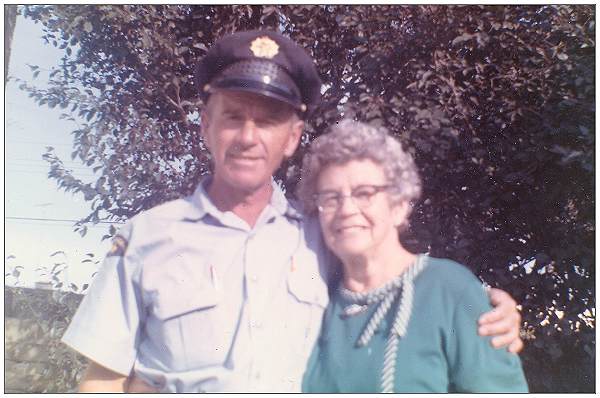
(248, 136)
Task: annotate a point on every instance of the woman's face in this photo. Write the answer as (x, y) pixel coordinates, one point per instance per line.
(365, 223)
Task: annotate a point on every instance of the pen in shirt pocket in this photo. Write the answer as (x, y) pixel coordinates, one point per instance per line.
(213, 277)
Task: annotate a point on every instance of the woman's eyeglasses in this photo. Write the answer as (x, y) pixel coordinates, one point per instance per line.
(330, 201)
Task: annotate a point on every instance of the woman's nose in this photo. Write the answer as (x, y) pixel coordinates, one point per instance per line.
(347, 205)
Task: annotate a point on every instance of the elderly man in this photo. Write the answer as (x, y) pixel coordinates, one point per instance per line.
(223, 290)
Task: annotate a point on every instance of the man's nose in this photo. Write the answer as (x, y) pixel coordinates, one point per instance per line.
(248, 133)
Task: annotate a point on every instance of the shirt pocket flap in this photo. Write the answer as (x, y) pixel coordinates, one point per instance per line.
(182, 298)
(308, 286)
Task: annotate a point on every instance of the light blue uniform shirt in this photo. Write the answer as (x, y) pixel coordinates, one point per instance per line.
(200, 301)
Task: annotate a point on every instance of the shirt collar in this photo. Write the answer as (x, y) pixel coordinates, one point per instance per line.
(281, 204)
(202, 204)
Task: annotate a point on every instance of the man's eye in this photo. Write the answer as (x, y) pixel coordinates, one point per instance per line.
(265, 121)
(233, 116)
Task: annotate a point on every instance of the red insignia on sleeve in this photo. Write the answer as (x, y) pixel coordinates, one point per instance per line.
(119, 246)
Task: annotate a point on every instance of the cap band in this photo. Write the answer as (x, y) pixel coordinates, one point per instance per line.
(269, 90)
(261, 77)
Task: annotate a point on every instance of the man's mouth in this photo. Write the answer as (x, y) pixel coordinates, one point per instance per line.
(244, 158)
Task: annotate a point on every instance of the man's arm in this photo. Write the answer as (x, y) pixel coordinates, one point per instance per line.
(137, 385)
(97, 378)
(503, 322)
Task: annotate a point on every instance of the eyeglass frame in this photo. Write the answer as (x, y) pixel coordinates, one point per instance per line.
(339, 198)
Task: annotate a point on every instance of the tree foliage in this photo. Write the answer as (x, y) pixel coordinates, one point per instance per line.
(495, 102)
(10, 18)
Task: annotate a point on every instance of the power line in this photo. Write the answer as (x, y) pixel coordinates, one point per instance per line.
(44, 173)
(56, 220)
(42, 164)
(47, 169)
(43, 167)
(47, 224)
(38, 161)
(11, 141)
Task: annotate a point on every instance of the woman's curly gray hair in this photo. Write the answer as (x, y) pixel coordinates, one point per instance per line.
(350, 140)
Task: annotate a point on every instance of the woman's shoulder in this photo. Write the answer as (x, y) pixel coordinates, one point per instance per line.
(451, 288)
(447, 267)
(447, 274)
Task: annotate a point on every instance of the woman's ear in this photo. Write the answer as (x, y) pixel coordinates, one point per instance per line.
(400, 213)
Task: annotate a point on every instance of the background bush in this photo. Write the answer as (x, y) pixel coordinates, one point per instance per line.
(35, 361)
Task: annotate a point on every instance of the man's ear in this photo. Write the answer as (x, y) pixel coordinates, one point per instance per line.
(294, 138)
(204, 123)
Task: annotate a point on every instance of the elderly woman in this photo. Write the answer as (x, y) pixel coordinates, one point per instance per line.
(397, 321)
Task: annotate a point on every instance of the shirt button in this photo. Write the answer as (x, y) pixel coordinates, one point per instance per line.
(254, 278)
(257, 375)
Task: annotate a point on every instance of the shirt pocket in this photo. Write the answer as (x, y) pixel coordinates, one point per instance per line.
(308, 299)
(189, 320)
(185, 301)
(307, 288)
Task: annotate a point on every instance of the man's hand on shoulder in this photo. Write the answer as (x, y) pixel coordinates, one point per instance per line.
(503, 322)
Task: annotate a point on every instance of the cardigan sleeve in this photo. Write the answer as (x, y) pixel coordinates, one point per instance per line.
(474, 364)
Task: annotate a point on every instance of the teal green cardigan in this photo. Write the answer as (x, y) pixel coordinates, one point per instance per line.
(441, 351)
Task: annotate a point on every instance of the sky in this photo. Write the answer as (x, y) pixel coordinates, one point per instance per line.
(39, 218)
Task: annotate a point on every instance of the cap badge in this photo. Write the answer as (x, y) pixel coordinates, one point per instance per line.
(264, 47)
